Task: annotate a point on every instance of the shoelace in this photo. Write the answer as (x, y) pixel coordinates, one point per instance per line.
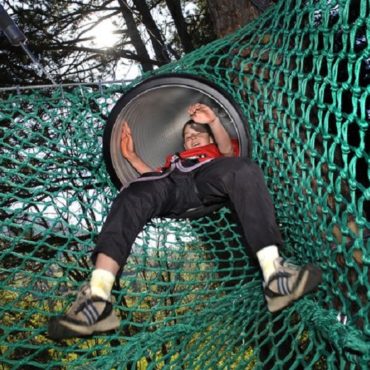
(80, 294)
(289, 264)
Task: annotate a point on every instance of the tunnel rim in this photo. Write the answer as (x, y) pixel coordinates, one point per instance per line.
(187, 80)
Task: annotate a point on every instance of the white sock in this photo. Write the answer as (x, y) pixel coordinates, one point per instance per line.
(101, 283)
(266, 257)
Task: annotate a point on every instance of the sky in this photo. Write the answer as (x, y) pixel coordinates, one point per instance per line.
(107, 33)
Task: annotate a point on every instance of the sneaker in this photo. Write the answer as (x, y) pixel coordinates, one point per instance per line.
(289, 282)
(87, 315)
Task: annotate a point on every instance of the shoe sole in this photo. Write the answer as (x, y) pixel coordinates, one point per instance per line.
(60, 328)
(310, 277)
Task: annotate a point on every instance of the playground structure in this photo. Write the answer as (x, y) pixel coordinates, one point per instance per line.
(190, 297)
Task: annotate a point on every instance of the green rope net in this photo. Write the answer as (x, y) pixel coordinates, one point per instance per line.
(190, 297)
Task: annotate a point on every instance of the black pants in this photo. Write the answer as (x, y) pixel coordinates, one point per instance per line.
(237, 180)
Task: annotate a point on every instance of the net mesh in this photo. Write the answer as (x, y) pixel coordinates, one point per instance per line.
(190, 296)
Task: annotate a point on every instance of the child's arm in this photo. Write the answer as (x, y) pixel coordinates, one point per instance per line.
(201, 113)
(128, 151)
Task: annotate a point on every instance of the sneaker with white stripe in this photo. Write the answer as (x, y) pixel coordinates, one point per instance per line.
(86, 316)
(289, 283)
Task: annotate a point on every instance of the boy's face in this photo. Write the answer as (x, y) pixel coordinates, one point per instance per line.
(194, 138)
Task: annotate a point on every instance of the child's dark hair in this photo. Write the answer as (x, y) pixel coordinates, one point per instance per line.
(199, 127)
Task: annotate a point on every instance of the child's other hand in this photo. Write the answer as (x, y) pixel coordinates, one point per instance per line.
(201, 113)
(127, 142)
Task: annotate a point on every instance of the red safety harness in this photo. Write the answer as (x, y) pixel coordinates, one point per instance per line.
(198, 155)
(185, 161)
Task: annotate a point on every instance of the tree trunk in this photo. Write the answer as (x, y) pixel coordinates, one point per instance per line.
(230, 15)
(153, 31)
(135, 37)
(174, 6)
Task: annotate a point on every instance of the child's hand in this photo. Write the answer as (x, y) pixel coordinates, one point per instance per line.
(201, 113)
(127, 142)
(128, 151)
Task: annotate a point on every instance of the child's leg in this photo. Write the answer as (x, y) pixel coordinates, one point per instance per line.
(133, 208)
(241, 181)
(138, 204)
(129, 213)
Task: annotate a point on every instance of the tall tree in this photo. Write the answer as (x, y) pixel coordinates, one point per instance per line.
(174, 6)
(230, 15)
(153, 31)
(134, 34)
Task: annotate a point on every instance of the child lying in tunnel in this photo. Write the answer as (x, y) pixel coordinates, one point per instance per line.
(206, 172)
